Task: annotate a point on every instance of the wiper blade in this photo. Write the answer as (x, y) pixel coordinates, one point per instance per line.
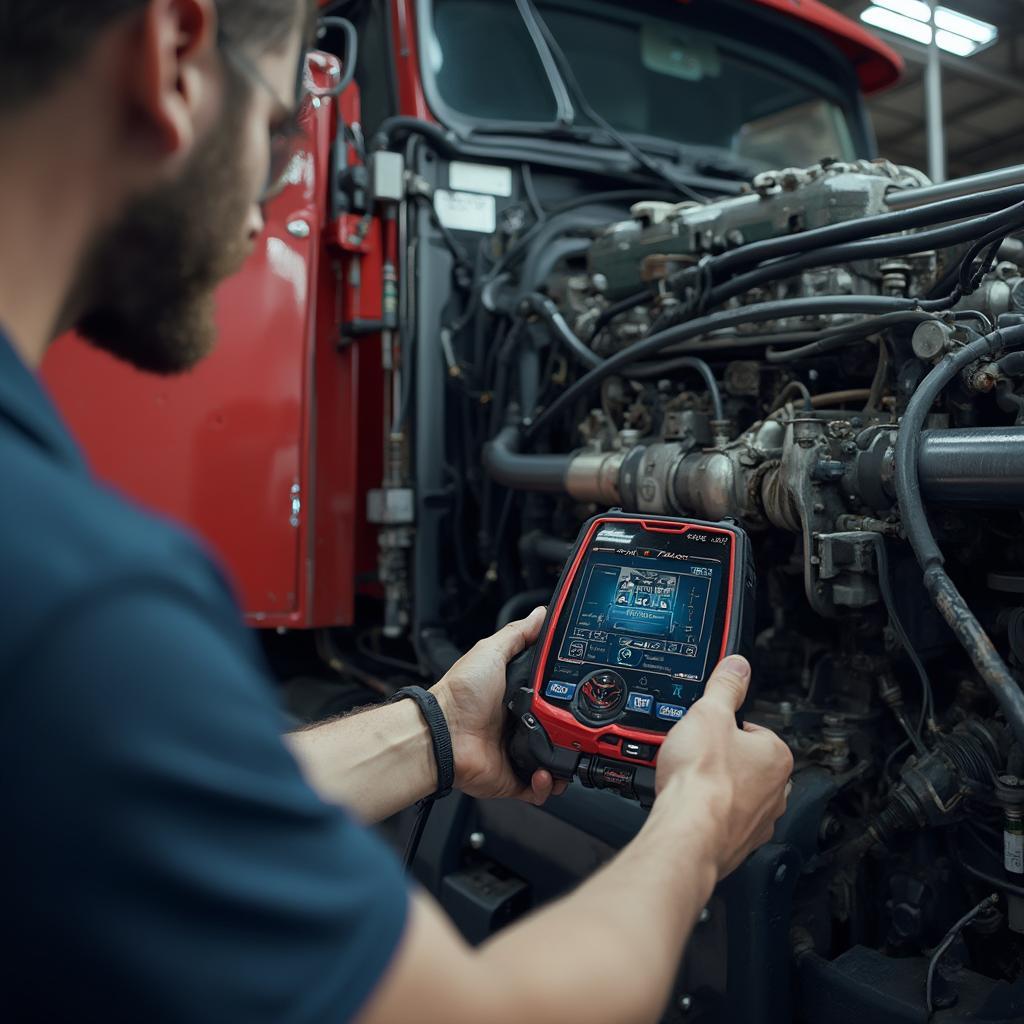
(566, 112)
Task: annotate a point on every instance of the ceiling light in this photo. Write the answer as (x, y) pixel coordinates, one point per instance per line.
(957, 33)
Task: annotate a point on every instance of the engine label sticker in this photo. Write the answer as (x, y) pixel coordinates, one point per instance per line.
(485, 178)
(464, 211)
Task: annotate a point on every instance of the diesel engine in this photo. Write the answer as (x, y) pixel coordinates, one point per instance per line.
(833, 360)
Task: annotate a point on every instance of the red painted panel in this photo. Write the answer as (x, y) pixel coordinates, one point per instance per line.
(226, 449)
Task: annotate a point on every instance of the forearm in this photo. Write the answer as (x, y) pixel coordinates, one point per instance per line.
(554, 966)
(644, 903)
(375, 763)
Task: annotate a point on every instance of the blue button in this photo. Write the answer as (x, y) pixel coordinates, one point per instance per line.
(669, 712)
(560, 691)
(643, 703)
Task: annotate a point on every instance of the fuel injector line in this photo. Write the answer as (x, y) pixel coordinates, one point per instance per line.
(940, 587)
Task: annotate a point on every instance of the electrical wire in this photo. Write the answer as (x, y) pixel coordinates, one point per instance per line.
(839, 337)
(759, 313)
(531, 195)
(993, 227)
(670, 366)
(896, 624)
(989, 901)
(866, 227)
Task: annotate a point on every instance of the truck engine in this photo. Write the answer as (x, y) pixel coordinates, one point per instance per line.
(831, 359)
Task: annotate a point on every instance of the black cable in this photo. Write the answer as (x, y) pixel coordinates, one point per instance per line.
(618, 308)
(459, 254)
(885, 585)
(837, 337)
(989, 901)
(699, 366)
(866, 227)
(549, 313)
(765, 311)
(853, 252)
(531, 194)
(940, 587)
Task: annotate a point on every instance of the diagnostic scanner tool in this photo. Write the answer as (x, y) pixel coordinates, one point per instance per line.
(645, 609)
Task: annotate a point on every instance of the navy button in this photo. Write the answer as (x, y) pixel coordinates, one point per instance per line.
(669, 712)
(560, 691)
(642, 703)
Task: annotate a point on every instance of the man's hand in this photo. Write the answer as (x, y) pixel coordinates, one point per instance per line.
(737, 778)
(472, 696)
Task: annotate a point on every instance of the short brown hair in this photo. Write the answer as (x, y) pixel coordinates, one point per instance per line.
(42, 40)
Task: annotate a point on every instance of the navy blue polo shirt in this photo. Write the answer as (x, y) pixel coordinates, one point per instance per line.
(162, 857)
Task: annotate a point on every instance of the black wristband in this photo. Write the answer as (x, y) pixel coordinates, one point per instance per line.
(440, 737)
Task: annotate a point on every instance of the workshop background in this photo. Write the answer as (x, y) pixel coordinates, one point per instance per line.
(981, 92)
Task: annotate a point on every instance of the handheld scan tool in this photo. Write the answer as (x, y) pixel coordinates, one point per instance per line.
(645, 609)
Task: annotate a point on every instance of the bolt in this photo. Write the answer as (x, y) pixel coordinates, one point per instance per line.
(299, 229)
(780, 874)
(686, 1003)
(477, 840)
(705, 916)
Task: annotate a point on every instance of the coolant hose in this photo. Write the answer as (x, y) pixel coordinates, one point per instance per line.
(940, 587)
(506, 466)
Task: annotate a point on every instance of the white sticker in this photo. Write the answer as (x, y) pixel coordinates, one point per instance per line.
(1013, 853)
(492, 181)
(464, 211)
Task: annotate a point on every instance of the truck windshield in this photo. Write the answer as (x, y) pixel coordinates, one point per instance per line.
(675, 79)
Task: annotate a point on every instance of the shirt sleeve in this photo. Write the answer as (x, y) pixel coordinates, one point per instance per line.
(167, 861)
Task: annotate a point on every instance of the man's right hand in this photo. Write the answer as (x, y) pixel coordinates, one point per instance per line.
(720, 791)
(735, 778)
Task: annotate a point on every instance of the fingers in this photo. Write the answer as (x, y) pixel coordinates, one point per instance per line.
(514, 638)
(728, 683)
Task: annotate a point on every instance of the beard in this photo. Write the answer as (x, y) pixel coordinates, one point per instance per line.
(146, 293)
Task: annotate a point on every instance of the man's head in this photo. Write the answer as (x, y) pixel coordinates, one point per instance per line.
(198, 99)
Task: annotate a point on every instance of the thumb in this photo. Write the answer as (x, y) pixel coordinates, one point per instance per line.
(517, 636)
(728, 683)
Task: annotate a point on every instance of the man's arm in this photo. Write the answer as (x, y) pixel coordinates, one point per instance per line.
(379, 761)
(720, 791)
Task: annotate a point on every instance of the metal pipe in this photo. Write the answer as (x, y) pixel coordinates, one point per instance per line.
(907, 199)
(933, 106)
(978, 466)
(507, 467)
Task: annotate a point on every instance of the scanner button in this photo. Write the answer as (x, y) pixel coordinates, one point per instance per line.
(638, 751)
(641, 703)
(669, 712)
(556, 690)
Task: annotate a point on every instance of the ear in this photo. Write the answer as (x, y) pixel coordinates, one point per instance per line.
(175, 84)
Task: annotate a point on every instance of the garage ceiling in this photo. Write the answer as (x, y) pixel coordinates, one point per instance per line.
(983, 95)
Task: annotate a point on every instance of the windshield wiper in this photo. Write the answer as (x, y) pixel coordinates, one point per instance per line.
(566, 112)
(570, 84)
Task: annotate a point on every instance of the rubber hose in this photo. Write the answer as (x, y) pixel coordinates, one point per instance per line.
(940, 587)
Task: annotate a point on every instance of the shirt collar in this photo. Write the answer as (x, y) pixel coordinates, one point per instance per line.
(26, 406)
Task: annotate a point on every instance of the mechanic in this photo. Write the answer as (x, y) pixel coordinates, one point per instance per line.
(168, 855)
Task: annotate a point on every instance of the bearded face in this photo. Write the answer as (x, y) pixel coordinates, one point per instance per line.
(146, 292)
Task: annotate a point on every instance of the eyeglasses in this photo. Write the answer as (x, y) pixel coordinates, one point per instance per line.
(284, 137)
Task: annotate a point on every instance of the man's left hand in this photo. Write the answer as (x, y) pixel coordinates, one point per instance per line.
(472, 696)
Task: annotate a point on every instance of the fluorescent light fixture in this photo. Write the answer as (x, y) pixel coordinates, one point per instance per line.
(956, 33)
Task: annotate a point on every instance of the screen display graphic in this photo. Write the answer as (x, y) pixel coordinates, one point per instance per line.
(632, 611)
